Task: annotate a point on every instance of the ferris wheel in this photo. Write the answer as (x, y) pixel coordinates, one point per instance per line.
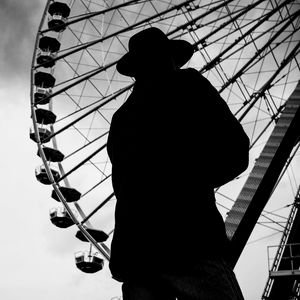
(249, 50)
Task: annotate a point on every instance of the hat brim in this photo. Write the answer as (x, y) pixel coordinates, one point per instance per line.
(181, 51)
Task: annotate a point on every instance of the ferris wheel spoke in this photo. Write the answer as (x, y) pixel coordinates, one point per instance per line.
(188, 26)
(86, 51)
(272, 221)
(269, 83)
(263, 224)
(242, 37)
(82, 78)
(263, 238)
(111, 96)
(277, 215)
(191, 22)
(95, 27)
(245, 69)
(264, 214)
(215, 29)
(273, 119)
(239, 13)
(126, 29)
(96, 185)
(109, 99)
(255, 96)
(81, 163)
(289, 160)
(86, 145)
(256, 57)
(98, 208)
(260, 53)
(193, 33)
(217, 65)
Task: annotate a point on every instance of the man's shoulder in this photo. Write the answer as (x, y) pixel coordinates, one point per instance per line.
(192, 75)
(188, 72)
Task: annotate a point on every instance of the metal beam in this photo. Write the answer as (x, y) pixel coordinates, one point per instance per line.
(257, 190)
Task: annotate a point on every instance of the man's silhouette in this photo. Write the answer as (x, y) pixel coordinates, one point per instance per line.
(171, 143)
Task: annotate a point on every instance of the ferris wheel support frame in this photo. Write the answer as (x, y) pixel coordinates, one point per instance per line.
(288, 237)
(242, 218)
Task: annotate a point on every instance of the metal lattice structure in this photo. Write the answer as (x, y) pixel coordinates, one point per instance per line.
(284, 276)
(249, 50)
(264, 175)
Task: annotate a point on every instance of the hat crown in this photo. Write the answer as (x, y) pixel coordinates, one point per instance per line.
(148, 40)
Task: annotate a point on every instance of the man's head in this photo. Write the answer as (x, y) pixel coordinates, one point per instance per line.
(151, 51)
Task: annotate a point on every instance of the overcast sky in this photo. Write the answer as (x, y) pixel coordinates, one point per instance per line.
(37, 258)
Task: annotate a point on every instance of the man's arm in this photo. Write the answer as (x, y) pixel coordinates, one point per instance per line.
(227, 142)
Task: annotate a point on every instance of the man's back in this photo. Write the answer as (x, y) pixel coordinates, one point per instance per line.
(167, 149)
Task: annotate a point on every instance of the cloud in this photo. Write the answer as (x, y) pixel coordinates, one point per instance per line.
(19, 23)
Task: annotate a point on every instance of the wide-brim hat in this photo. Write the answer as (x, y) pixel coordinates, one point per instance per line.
(149, 41)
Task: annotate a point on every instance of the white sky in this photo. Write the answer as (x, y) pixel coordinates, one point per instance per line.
(37, 258)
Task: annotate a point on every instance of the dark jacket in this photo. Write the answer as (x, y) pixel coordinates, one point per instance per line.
(170, 145)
